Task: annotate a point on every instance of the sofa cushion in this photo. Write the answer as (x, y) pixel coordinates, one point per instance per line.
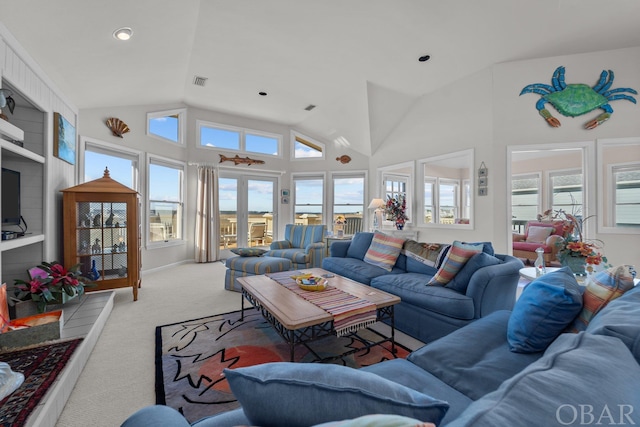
(359, 246)
(538, 234)
(461, 280)
(410, 375)
(545, 308)
(383, 251)
(604, 287)
(299, 256)
(457, 257)
(474, 359)
(531, 247)
(411, 289)
(620, 319)
(303, 394)
(582, 379)
(414, 266)
(354, 269)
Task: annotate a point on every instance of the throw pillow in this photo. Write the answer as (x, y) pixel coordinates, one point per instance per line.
(605, 286)
(461, 280)
(545, 308)
(248, 251)
(431, 254)
(384, 251)
(457, 257)
(538, 234)
(304, 394)
(378, 420)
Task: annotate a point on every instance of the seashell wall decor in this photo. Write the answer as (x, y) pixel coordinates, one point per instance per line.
(117, 126)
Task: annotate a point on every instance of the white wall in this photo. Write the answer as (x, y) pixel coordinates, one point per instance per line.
(485, 111)
(92, 125)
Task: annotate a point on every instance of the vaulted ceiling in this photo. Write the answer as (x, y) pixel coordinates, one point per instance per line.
(355, 60)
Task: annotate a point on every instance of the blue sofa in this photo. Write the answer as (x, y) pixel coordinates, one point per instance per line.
(587, 376)
(431, 312)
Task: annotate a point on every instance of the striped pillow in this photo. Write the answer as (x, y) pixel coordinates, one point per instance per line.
(384, 251)
(605, 286)
(457, 257)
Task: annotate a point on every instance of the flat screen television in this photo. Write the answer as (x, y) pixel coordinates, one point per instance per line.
(10, 197)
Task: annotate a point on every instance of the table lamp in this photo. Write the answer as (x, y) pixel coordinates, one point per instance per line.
(377, 204)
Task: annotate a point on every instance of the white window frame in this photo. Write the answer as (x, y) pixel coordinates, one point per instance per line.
(182, 125)
(113, 150)
(309, 176)
(303, 139)
(242, 149)
(331, 195)
(456, 197)
(171, 163)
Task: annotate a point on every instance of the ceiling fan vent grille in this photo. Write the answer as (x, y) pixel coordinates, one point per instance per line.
(199, 81)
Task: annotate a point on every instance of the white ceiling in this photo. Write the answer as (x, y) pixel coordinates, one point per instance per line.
(356, 60)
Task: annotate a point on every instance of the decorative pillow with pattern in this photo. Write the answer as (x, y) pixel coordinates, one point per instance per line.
(431, 254)
(248, 251)
(605, 286)
(384, 251)
(457, 257)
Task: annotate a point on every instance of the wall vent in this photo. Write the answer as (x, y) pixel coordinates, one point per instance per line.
(310, 107)
(199, 81)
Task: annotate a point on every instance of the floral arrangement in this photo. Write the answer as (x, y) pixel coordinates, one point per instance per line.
(340, 219)
(395, 209)
(49, 281)
(574, 245)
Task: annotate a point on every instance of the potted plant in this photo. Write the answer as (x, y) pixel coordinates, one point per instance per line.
(51, 283)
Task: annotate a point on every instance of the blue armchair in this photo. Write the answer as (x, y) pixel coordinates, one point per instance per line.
(303, 245)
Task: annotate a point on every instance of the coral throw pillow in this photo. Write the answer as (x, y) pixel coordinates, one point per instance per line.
(384, 251)
(457, 257)
(605, 286)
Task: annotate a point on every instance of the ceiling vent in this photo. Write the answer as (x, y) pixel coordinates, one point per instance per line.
(199, 81)
(310, 107)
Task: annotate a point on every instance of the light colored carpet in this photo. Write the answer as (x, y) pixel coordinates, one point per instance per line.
(119, 377)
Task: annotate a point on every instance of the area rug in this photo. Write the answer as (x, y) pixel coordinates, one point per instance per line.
(40, 366)
(191, 355)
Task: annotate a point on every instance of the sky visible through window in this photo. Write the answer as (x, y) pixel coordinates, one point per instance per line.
(165, 127)
(120, 169)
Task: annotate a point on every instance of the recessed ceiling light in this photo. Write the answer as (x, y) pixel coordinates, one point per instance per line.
(123, 33)
(262, 93)
(424, 58)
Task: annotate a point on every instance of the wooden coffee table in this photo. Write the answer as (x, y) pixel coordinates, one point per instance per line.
(299, 321)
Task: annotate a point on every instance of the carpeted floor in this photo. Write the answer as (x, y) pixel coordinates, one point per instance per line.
(191, 355)
(40, 366)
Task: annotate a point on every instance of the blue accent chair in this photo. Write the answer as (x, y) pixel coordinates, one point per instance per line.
(302, 244)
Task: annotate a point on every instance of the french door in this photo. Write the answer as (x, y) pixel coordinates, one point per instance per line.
(248, 211)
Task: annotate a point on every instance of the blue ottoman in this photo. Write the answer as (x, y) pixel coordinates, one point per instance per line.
(240, 266)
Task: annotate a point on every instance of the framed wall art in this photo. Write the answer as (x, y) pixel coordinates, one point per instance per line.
(64, 139)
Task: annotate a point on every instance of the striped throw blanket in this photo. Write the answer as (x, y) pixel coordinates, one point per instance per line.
(349, 312)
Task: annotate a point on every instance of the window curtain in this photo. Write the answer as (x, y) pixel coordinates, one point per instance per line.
(207, 216)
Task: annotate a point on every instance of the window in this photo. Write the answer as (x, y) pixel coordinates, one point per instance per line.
(213, 135)
(429, 200)
(303, 147)
(626, 194)
(165, 200)
(308, 199)
(566, 192)
(348, 200)
(167, 125)
(525, 199)
(122, 164)
(448, 200)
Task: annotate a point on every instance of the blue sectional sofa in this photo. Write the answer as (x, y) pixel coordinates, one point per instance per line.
(590, 377)
(485, 284)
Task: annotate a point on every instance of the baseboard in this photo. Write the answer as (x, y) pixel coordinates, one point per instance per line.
(164, 267)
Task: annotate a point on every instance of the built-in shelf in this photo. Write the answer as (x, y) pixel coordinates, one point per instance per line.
(19, 242)
(19, 151)
(10, 131)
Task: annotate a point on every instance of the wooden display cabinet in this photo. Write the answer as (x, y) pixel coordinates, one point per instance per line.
(102, 232)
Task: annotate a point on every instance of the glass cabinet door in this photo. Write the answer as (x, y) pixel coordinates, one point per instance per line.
(102, 239)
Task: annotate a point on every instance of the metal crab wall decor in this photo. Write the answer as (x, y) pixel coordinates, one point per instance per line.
(576, 99)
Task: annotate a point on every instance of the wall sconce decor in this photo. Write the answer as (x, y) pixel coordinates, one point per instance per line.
(117, 126)
(483, 180)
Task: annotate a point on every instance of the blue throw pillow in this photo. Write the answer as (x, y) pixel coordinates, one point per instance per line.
(545, 308)
(461, 280)
(304, 394)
